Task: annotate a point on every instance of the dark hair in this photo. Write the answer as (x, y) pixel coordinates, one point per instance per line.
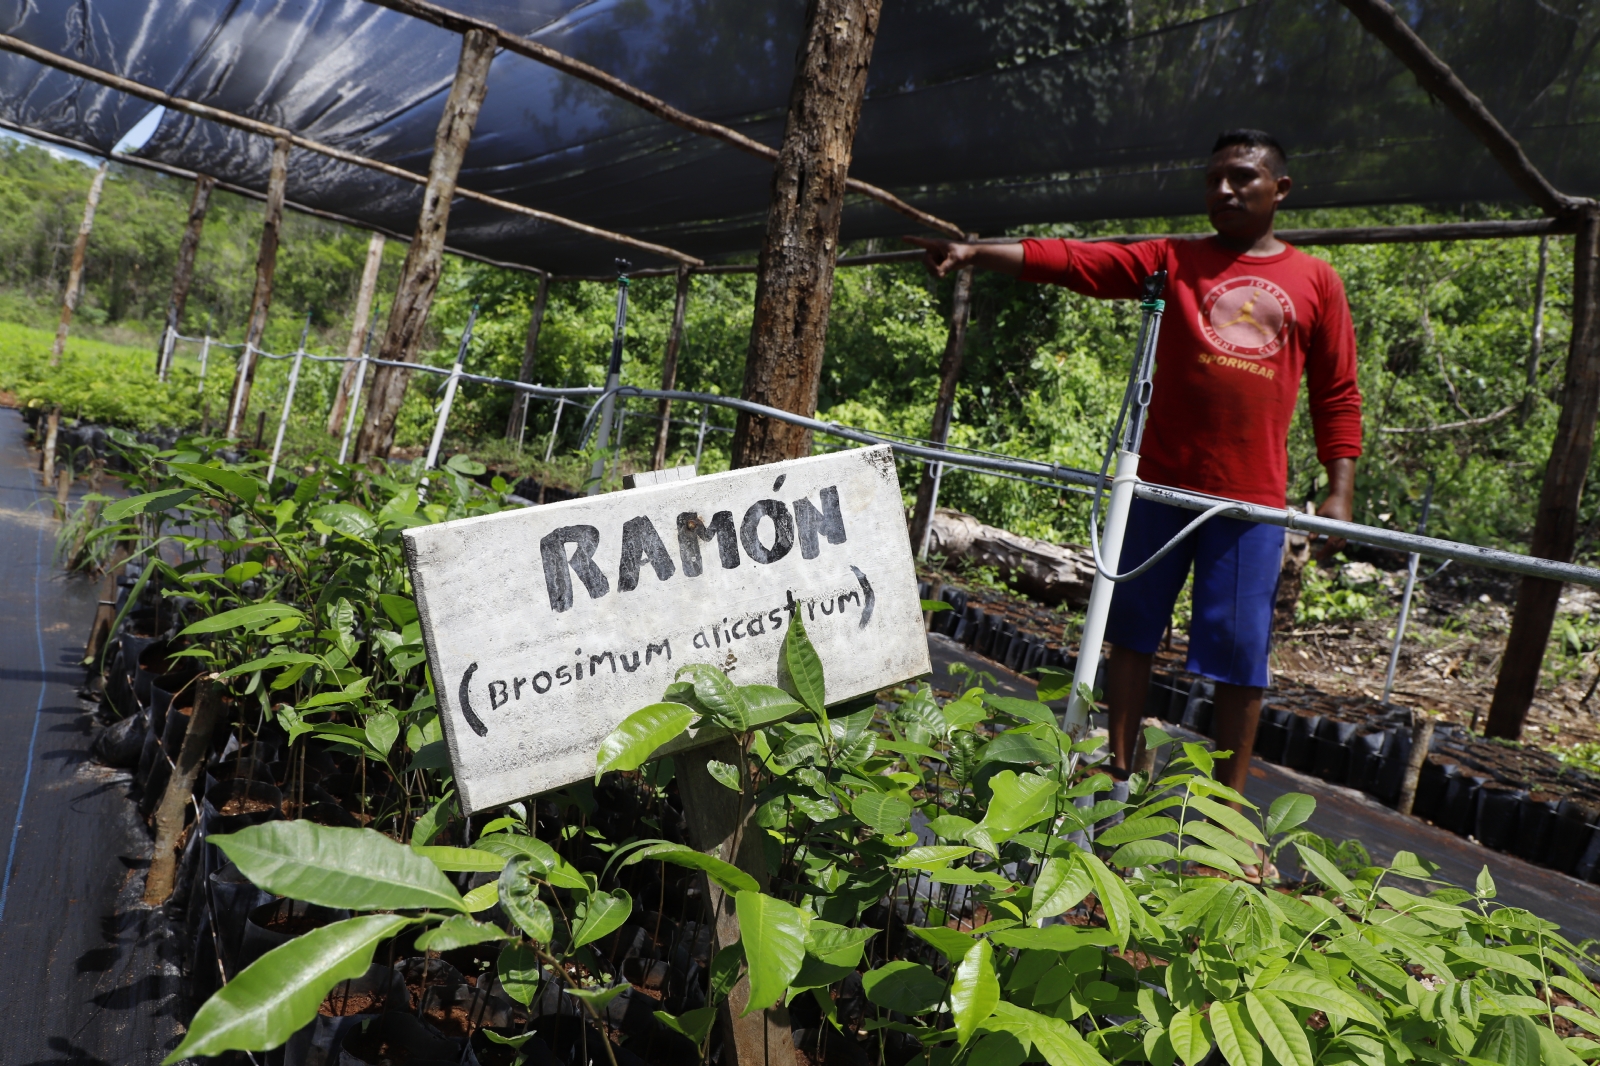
(1255, 139)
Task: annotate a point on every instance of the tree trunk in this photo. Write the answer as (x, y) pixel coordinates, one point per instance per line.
(669, 367)
(949, 378)
(723, 824)
(794, 285)
(517, 420)
(358, 333)
(169, 816)
(183, 272)
(1555, 530)
(419, 277)
(69, 299)
(261, 299)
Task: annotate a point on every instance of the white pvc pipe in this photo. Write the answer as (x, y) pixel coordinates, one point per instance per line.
(283, 419)
(355, 401)
(549, 449)
(205, 356)
(1094, 622)
(444, 416)
(243, 374)
(167, 343)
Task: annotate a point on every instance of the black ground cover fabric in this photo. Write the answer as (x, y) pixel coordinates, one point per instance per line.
(990, 113)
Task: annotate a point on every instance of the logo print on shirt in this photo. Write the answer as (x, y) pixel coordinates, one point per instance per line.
(1247, 316)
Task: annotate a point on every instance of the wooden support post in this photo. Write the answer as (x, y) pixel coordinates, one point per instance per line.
(1536, 342)
(949, 378)
(669, 367)
(47, 453)
(358, 330)
(419, 277)
(723, 824)
(794, 285)
(63, 491)
(1555, 529)
(183, 271)
(1421, 740)
(69, 299)
(169, 816)
(517, 421)
(261, 300)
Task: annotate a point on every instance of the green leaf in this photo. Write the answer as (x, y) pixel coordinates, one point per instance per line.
(336, 867)
(1019, 748)
(459, 932)
(1406, 864)
(434, 819)
(1113, 896)
(720, 697)
(1188, 1036)
(1229, 819)
(598, 999)
(1289, 811)
(462, 463)
(1053, 938)
(974, 991)
(1307, 989)
(600, 915)
(1238, 1044)
(460, 860)
(280, 992)
(346, 519)
(935, 605)
(232, 482)
(382, 731)
(726, 966)
(1062, 885)
(725, 774)
(1053, 685)
(149, 501)
(952, 943)
(837, 945)
(508, 1041)
(884, 812)
(483, 897)
(1326, 872)
(1496, 959)
(801, 668)
(931, 857)
(636, 738)
(1137, 829)
(908, 987)
(519, 897)
(1018, 802)
(518, 969)
(1509, 1039)
(694, 1024)
(1485, 884)
(1143, 853)
(768, 703)
(1280, 1030)
(253, 616)
(726, 875)
(402, 610)
(774, 937)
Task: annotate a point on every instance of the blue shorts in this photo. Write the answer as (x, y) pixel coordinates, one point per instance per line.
(1236, 567)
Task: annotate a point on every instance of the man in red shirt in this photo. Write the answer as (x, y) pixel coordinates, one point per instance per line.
(1246, 316)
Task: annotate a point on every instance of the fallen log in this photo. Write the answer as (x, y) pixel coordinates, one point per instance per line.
(1042, 571)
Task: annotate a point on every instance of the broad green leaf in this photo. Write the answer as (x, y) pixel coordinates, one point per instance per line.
(636, 738)
(382, 731)
(1028, 710)
(1053, 938)
(726, 966)
(483, 897)
(1485, 884)
(402, 610)
(278, 657)
(1305, 989)
(1113, 896)
(1557, 1052)
(1143, 853)
(1203, 759)
(908, 987)
(600, 915)
(1496, 959)
(774, 937)
(837, 945)
(519, 897)
(1019, 748)
(460, 932)
(801, 667)
(1018, 802)
(149, 501)
(516, 846)
(460, 860)
(720, 697)
(974, 991)
(1188, 1036)
(885, 812)
(508, 1041)
(1510, 1039)
(931, 857)
(1280, 1030)
(952, 943)
(1062, 884)
(598, 999)
(1228, 818)
(346, 519)
(280, 992)
(1238, 1044)
(1326, 872)
(767, 704)
(727, 876)
(1406, 864)
(243, 486)
(253, 616)
(1289, 811)
(462, 463)
(725, 774)
(434, 819)
(1215, 836)
(336, 867)
(694, 1024)
(1137, 829)
(518, 969)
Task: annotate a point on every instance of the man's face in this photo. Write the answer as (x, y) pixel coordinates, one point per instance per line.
(1242, 193)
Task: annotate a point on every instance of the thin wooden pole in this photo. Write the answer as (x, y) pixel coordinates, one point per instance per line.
(1555, 530)
(358, 331)
(266, 266)
(183, 270)
(1536, 343)
(517, 421)
(669, 367)
(419, 277)
(69, 299)
(794, 285)
(1421, 741)
(555, 427)
(180, 787)
(949, 378)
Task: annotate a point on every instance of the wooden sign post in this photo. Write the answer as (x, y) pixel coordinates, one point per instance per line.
(545, 627)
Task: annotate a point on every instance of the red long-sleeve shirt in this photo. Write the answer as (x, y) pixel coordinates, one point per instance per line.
(1237, 335)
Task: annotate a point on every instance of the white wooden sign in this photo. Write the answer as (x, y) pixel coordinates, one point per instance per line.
(547, 626)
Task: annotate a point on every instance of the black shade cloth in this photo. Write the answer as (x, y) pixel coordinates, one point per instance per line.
(990, 113)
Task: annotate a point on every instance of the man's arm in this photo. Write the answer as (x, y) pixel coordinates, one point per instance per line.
(1340, 504)
(941, 257)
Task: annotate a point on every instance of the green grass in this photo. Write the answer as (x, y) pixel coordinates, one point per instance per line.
(111, 384)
